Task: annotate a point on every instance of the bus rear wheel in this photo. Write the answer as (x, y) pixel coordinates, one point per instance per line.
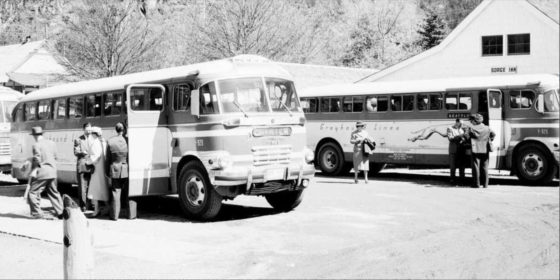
(285, 201)
(330, 159)
(198, 198)
(534, 166)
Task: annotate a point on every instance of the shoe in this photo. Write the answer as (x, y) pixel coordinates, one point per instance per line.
(366, 181)
(356, 181)
(37, 217)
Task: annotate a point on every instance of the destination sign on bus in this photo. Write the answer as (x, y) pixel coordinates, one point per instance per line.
(275, 131)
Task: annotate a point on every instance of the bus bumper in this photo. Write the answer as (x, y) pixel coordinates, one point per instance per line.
(282, 176)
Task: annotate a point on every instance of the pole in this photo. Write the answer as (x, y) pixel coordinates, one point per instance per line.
(78, 242)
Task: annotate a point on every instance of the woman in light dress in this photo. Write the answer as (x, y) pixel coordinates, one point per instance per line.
(361, 162)
(98, 186)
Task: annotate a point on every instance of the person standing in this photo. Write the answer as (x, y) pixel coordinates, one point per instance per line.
(44, 162)
(481, 137)
(455, 135)
(83, 171)
(361, 161)
(117, 170)
(98, 189)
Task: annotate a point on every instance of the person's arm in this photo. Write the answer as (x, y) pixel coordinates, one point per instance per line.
(492, 134)
(37, 159)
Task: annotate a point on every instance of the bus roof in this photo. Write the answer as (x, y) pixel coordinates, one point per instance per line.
(241, 65)
(436, 85)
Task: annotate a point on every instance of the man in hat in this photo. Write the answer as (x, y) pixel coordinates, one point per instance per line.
(83, 171)
(44, 161)
(456, 150)
(117, 170)
(481, 136)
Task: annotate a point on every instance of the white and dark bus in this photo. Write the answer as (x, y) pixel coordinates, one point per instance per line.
(8, 100)
(403, 116)
(207, 132)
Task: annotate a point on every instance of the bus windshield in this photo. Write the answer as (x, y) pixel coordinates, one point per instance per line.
(551, 101)
(282, 95)
(243, 95)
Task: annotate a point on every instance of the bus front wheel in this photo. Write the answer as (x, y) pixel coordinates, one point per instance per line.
(330, 159)
(285, 201)
(534, 166)
(198, 198)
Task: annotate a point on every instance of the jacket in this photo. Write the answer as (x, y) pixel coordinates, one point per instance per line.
(117, 158)
(44, 159)
(454, 135)
(480, 135)
(80, 148)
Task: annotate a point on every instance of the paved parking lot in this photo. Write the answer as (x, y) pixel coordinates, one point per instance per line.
(403, 224)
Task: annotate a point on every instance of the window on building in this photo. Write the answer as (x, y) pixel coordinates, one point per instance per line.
(521, 99)
(60, 108)
(310, 105)
(182, 98)
(492, 45)
(519, 44)
(31, 111)
(75, 107)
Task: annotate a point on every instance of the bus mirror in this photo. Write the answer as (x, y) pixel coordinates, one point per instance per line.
(540, 104)
(195, 102)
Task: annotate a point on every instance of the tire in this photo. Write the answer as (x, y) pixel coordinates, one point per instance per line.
(375, 168)
(330, 159)
(285, 201)
(199, 200)
(534, 166)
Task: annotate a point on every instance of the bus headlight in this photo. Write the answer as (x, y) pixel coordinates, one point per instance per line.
(224, 161)
(309, 155)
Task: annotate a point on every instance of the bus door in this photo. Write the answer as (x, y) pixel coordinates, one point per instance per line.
(149, 140)
(495, 122)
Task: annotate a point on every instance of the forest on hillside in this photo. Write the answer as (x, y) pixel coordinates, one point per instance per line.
(111, 37)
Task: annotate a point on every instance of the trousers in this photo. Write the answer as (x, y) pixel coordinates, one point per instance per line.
(83, 184)
(37, 187)
(119, 196)
(456, 160)
(479, 164)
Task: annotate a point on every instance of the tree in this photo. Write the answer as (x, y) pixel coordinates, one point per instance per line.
(431, 31)
(104, 38)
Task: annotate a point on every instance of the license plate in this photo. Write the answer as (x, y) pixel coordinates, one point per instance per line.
(275, 174)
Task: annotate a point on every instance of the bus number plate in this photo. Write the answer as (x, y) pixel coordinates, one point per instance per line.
(274, 174)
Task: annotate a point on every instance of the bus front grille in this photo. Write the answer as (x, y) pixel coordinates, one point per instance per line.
(5, 149)
(265, 155)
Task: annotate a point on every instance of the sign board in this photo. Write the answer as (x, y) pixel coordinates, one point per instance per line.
(503, 69)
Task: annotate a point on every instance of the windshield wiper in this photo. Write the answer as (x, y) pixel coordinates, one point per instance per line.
(240, 109)
(286, 107)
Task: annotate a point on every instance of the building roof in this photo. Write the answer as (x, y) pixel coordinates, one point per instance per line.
(12, 56)
(548, 20)
(310, 75)
(8, 91)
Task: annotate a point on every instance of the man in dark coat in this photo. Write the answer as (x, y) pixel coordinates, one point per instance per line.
(44, 161)
(456, 150)
(83, 172)
(481, 136)
(117, 170)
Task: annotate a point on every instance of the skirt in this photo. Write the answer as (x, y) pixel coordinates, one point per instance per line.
(360, 161)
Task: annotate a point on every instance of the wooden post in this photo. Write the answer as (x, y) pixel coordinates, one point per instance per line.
(78, 242)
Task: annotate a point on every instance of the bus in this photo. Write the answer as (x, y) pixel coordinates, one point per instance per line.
(207, 132)
(8, 100)
(404, 116)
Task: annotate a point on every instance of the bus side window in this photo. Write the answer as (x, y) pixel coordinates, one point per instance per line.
(325, 105)
(75, 107)
(358, 104)
(465, 101)
(396, 103)
(451, 101)
(435, 101)
(59, 109)
(422, 102)
(155, 99)
(117, 104)
(108, 104)
(371, 104)
(347, 104)
(44, 110)
(93, 105)
(408, 102)
(208, 99)
(311, 105)
(31, 111)
(182, 98)
(334, 105)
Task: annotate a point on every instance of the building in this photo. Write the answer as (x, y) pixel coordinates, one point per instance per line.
(499, 37)
(30, 66)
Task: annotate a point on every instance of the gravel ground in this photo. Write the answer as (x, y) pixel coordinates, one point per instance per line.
(403, 224)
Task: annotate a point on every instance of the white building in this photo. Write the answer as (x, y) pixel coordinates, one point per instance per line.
(499, 37)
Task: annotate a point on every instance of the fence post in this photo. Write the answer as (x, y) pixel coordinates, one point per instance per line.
(78, 242)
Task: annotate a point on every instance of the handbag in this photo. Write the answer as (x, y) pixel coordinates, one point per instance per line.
(490, 146)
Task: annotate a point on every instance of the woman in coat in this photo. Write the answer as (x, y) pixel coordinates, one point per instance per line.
(98, 187)
(361, 162)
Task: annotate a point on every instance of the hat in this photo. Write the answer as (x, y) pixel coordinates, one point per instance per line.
(477, 118)
(358, 124)
(37, 130)
(97, 130)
